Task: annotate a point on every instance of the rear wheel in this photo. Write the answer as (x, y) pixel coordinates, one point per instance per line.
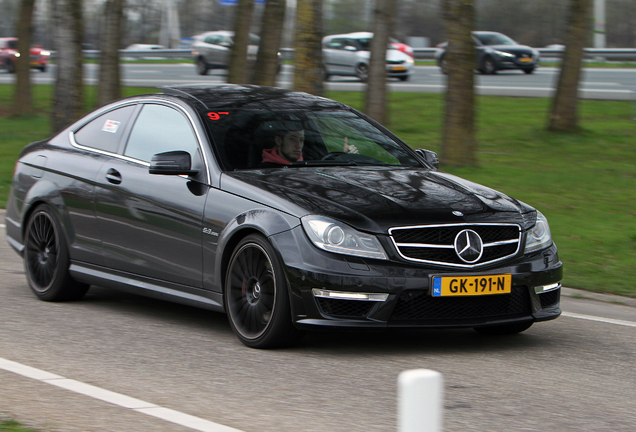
(489, 67)
(256, 297)
(202, 67)
(504, 329)
(46, 259)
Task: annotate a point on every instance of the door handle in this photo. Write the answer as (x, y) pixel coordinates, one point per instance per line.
(113, 176)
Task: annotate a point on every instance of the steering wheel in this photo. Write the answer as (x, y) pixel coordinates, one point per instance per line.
(332, 155)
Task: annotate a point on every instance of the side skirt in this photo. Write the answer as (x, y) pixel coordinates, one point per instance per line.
(161, 290)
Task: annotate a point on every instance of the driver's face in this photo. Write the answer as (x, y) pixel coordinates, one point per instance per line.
(290, 146)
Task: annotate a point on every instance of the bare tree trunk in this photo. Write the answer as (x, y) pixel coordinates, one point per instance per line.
(23, 100)
(376, 97)
(267, 62)
(68, 96)
(458, 143)
(564, 116)
(238, 68)
(308, 67)
(109, 86)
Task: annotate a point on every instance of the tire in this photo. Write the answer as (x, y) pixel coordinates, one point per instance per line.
(528, 71)
(403, 78)
(443, 65)
(10, 66)
(362, 71)
(46, 259)
(42, 68)
(489, 67)
(202, 67)
(504, 329)
(256, 296)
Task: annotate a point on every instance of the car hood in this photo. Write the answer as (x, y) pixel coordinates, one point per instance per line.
(374, 199)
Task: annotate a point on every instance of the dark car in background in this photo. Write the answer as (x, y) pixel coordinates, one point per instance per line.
(39, 57)
(167, 195)
(494, 52)
(211, 50)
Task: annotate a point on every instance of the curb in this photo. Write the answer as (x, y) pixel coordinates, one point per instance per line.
(567, 292)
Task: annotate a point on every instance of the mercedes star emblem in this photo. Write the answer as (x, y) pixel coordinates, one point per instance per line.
(469, 246)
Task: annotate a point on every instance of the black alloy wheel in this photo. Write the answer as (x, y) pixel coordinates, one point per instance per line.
(256, 297)
(489, 67)
(46, 259)
(504, 329)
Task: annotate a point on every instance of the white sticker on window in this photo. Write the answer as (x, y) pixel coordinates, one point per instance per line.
(111, 126)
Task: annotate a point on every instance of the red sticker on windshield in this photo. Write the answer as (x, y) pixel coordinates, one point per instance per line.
(216, 115)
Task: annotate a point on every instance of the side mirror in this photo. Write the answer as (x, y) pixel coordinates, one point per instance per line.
(430, 157)
(172, 163)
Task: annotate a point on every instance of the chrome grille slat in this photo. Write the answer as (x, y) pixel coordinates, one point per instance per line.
(500, 242)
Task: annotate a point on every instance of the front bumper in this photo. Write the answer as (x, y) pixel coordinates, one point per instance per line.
(312, 274)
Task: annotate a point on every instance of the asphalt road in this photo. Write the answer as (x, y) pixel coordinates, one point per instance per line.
(596, 83)
(577, 373)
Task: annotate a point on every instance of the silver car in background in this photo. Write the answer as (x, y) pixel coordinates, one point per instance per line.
(211, 50)
(349, 55)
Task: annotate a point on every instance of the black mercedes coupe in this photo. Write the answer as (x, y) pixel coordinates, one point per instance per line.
(287, 211)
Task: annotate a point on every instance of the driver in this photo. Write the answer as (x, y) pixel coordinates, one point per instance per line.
(289, 146)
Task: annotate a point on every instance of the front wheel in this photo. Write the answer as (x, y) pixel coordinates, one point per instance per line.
(46, 259)
(528, 71)
(504, 329)
(256, 297)
(362, 72)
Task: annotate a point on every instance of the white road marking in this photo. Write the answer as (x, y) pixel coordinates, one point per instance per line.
(599, 319)
(118, 399)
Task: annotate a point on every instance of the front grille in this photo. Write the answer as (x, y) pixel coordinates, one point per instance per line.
(345, 308)
(418, 307)
(551, 298)
(394, 62)
(435, 244)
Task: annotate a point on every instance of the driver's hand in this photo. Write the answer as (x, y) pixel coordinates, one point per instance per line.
(349, 148)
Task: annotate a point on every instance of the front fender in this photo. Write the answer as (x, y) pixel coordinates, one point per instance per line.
(261, 219)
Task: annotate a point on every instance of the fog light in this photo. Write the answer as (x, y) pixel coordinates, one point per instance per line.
(342, 295)
(546, 288)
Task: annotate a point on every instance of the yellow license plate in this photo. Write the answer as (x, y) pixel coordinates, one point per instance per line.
(525, 60)
(398, 68)
(445, 286)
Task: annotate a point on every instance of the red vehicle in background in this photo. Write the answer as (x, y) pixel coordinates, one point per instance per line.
(406, 49)
(9, 55)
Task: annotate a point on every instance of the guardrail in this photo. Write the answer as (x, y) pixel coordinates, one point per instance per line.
(609, 54)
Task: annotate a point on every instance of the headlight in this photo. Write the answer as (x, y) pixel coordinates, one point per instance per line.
(504, 54)
(539, 236)
(333, 236)
(410, 61)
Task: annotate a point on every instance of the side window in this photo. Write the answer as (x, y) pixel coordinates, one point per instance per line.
(160, 129)
(104, 132)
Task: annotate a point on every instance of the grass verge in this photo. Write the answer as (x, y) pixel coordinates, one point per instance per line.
(584, 182)
(13, 426)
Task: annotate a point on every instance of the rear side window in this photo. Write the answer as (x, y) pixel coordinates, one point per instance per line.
(104, 132)
(160, 129)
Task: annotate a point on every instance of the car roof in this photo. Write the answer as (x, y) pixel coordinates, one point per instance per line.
(354, 35)
(236, 96)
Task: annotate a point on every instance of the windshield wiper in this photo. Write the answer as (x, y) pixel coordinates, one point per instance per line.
(321, 164)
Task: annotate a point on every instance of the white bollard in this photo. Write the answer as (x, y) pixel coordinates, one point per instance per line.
(420, 401)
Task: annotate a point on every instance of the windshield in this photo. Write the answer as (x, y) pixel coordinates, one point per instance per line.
(494, 39)
(13, 44)
(251, 139)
